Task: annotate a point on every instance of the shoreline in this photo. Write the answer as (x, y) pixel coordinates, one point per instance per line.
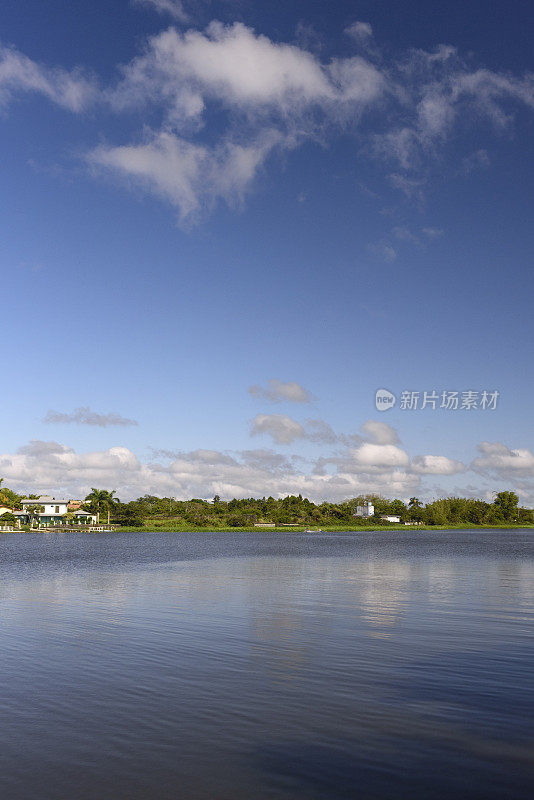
(296, 529)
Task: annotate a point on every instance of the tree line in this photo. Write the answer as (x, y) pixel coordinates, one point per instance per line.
(151, 510)
(298, 510)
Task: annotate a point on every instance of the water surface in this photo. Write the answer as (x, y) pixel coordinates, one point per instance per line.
(254, 666)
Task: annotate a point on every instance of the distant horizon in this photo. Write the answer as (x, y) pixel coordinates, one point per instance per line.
(226, 500)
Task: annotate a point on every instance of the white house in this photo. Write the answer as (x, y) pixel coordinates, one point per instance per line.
(52, 507)
(390, 518)
(54, 512)
(367, 510)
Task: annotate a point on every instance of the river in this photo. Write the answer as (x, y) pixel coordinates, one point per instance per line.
(221, 666)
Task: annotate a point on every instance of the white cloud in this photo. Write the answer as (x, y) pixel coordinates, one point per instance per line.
(436, 465)
(268, 96)
(174, 8)
(319, 431)
(234, 66)
(84, 416)
(380, 432)
(278, 392)
(253, 473)
(361, 31)
(18, 73)
(281, 428)
(435, 90)
(190, 176)
(375, 465)
(496, 458)
(379, 455)
(284, 430)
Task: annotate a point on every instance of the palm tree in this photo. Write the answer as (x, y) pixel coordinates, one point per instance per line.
(96, 499)
(109, 501)
(101, 499)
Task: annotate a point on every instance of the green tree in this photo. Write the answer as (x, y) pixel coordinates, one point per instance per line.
(101, 500)
(506, 503)
(33, 512)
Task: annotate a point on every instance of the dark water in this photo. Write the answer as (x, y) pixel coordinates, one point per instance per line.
(253, 666)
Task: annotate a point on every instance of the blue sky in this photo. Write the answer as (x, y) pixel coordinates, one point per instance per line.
(319, 199)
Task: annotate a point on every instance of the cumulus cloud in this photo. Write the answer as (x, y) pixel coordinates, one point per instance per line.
(269, 460)
(376, 463)
(284, 430)
(278, 392)
(380, 432)
(379, 455)
(239, 69)
(195, 474)
(498, 459)
(436, 465)
(281, 428)
(18, 73)
(84, 416)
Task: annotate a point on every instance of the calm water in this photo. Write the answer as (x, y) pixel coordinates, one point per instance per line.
(254, 666)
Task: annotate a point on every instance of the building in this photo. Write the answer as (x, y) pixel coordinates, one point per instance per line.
(390, 518)
(54, 513)
(367, 510)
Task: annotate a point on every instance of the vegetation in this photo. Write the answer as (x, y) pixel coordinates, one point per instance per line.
(33, 512)
(153, 513)
(158, 512)
(100, 500)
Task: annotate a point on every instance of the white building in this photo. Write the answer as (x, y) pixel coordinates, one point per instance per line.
(54, 512)
(390, 518)
(367, 510)
(52, 507)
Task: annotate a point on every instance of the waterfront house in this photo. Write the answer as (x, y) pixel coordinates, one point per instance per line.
(390, 518)
(54, 513)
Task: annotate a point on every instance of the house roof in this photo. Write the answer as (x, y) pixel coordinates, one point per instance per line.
(44, 499)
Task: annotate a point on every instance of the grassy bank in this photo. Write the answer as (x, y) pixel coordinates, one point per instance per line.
(326, 529)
